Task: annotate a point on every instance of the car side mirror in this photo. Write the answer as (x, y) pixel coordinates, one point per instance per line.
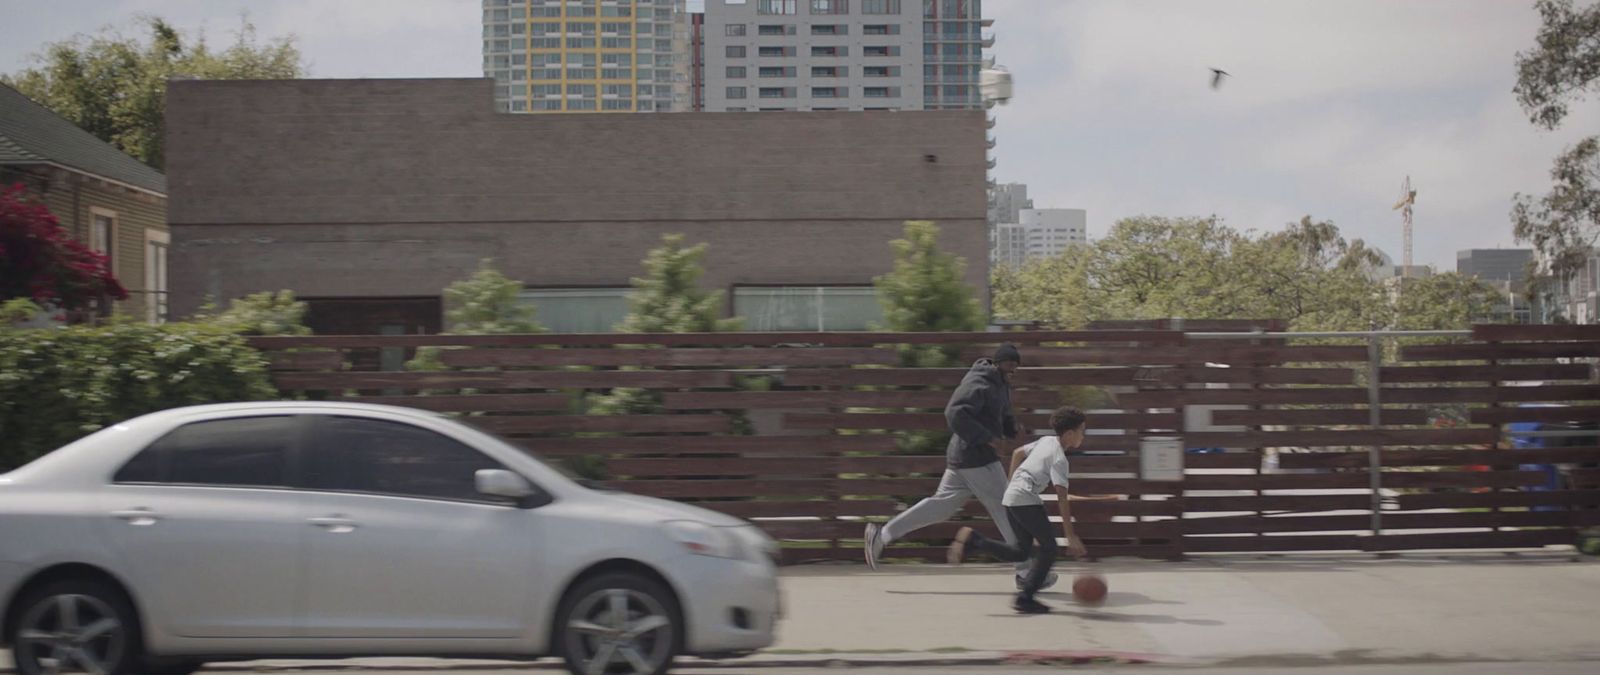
(503, 483)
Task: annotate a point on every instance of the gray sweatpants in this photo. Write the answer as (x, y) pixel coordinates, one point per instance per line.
(987, 483)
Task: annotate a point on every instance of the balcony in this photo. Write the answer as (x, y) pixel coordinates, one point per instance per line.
(991, 164)
(987, 23)
(988, 122)
(987, 41)
(989, 142)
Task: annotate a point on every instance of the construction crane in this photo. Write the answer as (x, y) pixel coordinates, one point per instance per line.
(1408, 198)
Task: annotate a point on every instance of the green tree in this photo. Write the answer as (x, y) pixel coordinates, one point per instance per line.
(1445, 301)
(668, 299)
(1053, 290)
(927, 290)
(265, 313)
(485, 303)
(1563, 67)
(114, 86)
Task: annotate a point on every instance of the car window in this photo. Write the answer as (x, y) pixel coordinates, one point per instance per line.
(239, 452)
(350, 454)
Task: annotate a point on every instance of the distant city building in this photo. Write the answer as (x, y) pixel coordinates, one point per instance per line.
(1007, 201)
(1506, 269)
(843, 55)
(1051, 231)
(549, 56)
(1008, 244)
(1504, 265)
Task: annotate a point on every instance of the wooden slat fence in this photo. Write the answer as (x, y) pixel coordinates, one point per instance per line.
(808, 433)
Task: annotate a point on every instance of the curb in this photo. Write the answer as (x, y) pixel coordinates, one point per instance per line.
(817, 660)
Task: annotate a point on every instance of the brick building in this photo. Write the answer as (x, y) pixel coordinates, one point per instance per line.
(102, 197)
(368, 197)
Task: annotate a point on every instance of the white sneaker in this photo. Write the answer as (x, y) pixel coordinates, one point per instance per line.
(1049, 580)
(874, 544)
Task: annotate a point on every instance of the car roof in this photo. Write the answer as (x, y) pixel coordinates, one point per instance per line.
(246, 407)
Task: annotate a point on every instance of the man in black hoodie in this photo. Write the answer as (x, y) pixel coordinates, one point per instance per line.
(979, 413)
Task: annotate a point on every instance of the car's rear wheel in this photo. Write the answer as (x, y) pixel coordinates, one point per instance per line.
(619, 623)
(75, 626)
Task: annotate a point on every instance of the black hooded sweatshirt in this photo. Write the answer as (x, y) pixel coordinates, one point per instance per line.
(978, 412)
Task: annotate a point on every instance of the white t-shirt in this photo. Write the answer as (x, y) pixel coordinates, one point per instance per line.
(1045, 465)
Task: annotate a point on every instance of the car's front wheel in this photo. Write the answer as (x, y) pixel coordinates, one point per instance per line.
(619, 623)
(75, 626)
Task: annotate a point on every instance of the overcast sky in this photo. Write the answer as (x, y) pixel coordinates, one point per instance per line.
(1331, 103)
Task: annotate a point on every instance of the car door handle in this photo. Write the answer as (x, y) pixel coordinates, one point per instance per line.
(334, 524)
(138, 517)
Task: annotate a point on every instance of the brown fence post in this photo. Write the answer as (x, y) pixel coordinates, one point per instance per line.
(1375, 420)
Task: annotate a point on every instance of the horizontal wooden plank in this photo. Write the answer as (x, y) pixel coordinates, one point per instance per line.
(1390, 416)
(1536, 414)
(795, 467)
(1485, 373)
(524, 379)
(1440, 479)
(1329, 460)
(1313, 481)
(1357, 396)
(1300, 503)
(1557, 393)
(706, 357)
(819, 508)
(1535, 332)
(1233, 459)
(472, 402)
(1511, 539)
(734, 339)
(633, 424)
(1338, 438)
(1192, 353)
(1197, 325)
(1237, 544)
(1587, 479)
(1180, 397)
(316, 360)
(1029, 376)
(1484, 500)
(684, 445)
(1502, 351)
(936, 421)
(1262, 524)
(751, 400)
(702, 489)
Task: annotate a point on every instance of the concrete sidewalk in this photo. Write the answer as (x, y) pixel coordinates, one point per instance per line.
(1456, 607)
(1237, 611)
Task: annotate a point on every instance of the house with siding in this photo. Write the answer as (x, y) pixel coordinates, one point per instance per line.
(112, 202)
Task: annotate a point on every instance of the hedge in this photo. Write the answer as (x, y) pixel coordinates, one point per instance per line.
(60, 384)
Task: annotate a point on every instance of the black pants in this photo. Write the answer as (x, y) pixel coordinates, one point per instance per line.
(1032, 526)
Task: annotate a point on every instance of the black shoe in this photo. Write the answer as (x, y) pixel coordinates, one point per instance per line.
(1029, 606)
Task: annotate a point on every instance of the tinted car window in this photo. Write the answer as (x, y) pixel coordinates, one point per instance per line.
(349, 454)
(243, 452)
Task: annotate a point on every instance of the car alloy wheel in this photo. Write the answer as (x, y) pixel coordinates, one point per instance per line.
(622, 624)
(69, 632)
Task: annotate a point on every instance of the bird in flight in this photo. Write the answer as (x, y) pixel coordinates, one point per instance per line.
(1216, 77)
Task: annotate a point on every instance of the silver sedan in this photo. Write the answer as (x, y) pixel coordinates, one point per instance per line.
(259, 530)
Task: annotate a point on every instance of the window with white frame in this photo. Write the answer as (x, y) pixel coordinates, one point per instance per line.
(155, 275)
(578, 310)
(807, 308)
(777, 7)
(103, 234)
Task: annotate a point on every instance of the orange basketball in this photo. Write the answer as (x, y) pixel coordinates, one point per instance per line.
(1089, 589)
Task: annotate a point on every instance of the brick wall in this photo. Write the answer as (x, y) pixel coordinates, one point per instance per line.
(397, 187)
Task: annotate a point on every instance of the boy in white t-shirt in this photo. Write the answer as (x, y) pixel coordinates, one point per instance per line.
(1045, 466)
